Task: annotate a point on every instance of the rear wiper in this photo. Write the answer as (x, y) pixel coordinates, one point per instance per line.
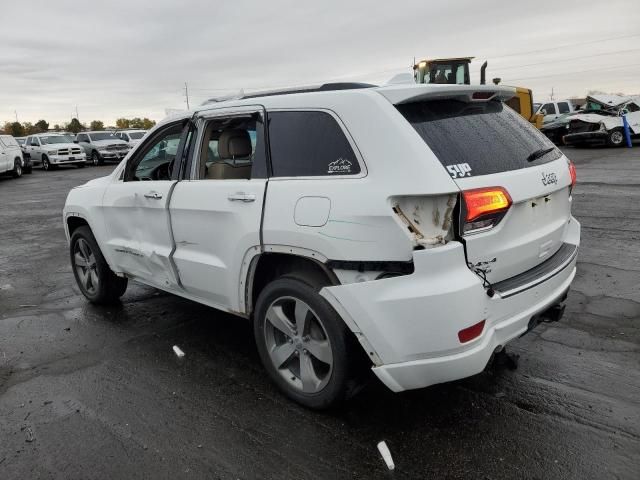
(540, 153)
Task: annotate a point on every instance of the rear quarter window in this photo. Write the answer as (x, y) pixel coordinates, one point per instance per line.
(306, 144)
(483, 137)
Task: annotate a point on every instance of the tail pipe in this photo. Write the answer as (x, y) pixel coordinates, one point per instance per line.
(483, 71)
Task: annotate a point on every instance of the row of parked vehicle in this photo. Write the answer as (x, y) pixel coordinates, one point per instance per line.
(50, 150)
(600, 121)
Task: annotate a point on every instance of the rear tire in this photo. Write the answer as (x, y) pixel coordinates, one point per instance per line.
(616, 138)
(80, 165)
(17, 169)
(96, 280)
(310, 354)
(46, 166)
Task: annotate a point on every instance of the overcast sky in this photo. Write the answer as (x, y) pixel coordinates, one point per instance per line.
(131, 58)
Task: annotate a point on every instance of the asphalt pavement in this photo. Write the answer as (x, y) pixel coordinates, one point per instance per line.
(93, 392)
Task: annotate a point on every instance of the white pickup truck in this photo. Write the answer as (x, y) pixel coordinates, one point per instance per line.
(412, 229)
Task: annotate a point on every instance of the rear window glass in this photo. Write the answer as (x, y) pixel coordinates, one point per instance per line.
(309, 144)
(473, 139)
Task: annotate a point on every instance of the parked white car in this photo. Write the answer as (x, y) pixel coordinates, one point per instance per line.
(132, 137)
(11, 160)
(100, 146)
(594, 128)
(415, 229)
(553, 110)
(53, 150)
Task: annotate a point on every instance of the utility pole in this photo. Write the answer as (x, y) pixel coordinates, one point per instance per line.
(16, 115)
(77, 116)
(186, 93)
(551, 93)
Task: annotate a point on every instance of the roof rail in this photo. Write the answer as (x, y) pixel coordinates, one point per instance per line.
(326, 87)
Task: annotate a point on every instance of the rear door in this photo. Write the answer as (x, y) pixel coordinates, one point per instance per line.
(486, 145)
(216, 215)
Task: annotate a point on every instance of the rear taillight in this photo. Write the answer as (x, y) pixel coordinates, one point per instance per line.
(484, 208)
(574, 177)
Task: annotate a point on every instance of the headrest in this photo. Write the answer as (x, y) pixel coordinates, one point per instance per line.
(234, 143)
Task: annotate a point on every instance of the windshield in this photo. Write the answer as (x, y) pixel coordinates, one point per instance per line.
(102, 136)
(136, 135)
(536, 106)
(56, 139)
(489, 136)
(21, 140)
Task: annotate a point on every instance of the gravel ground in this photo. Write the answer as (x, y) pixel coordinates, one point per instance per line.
(89, 392)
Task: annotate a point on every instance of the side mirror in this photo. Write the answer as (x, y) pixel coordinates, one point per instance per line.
(76, 141)
(543, 111)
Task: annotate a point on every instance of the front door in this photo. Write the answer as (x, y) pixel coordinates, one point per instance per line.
(136, 211)
(4, 158)
(216, 215)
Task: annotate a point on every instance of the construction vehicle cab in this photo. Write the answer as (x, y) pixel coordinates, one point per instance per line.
(453, 71)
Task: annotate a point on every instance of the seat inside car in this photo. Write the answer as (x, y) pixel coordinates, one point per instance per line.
(233, 145)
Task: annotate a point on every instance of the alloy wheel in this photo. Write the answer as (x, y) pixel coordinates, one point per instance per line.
(617, 138)
(86, 266)
(298, 344)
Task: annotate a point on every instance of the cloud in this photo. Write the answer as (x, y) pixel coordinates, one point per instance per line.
(133, 57)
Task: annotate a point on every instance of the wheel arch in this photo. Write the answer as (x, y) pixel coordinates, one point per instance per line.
(73, 222)
(269, 265)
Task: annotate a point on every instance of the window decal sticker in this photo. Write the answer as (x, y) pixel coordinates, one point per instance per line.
(459, 170)
(341, 165)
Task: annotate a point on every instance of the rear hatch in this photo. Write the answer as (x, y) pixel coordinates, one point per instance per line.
(515, 201)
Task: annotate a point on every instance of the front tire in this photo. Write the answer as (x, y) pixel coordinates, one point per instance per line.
(17, 169)
(304, 344)
(615, 137)
(96, 280)
(95, 159)
(46, 165)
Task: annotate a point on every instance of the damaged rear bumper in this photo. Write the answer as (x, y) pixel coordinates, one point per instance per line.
(409, 325)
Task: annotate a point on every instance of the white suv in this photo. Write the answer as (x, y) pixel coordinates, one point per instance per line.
(11, 158)
(413, 228)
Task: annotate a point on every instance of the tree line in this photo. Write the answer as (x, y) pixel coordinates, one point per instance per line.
(23, 129)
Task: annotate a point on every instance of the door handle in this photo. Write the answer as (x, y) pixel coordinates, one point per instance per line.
(153, 195)
(242, 197)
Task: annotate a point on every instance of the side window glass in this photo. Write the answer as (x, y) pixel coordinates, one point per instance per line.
(550, 108)
(632, 107)
(157, 159)
(230, 148)
(309, 144)
(563, 107)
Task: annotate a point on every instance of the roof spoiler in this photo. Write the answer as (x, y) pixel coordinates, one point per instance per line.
(399, 94)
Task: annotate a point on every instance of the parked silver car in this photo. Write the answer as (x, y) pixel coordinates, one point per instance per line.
(101, 146)
(132, 137)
